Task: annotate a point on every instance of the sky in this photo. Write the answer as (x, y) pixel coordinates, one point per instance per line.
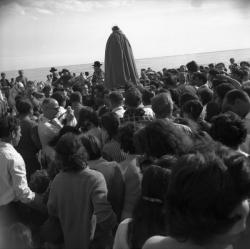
(43, 33)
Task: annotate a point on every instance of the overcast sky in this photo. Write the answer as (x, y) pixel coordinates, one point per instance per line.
(38, 33)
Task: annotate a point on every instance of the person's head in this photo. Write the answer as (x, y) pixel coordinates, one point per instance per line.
(96, 65)
(39, 181)
(47, 90)
(220, 91)
(83, 89)
(236, 101)
(207, 196)
(205, 95)
(110, 123)
(10, 130)
(92, 146)
(75, 98)
(133, 97)
(125, 136)
(163, 137)
(229, 129)
(116, 99)
(87, 119)
(3, 75)
(50, 108)
(20, 72)
(220, 67)
(162, 105)
(238, 74)
(192, 67)
(199, 79)
(70, 153)
(19, 236)
(60, 98)
(147, 96)
(99, 95)
(232, 61)
(187, 96)
(148, 215)
(24, 107)
(192, 109)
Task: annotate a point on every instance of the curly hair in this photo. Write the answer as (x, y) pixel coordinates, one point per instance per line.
(203, 191)
(229, 129)
(8, 124)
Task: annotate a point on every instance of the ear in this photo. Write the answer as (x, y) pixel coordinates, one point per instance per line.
(242, 210)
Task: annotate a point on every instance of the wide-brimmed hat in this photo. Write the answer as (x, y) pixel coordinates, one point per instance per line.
(53, 70)
(97, 64)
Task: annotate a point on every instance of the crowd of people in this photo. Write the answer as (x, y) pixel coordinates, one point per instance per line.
(163, 163)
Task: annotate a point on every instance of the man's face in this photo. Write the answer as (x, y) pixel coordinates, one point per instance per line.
(20, 73)
(51, 110)
(3, 75)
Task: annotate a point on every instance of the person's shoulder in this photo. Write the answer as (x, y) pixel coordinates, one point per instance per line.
(157, 242)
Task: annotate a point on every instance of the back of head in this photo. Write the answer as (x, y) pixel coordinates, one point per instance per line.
(133, 97)
(125, 136)
(8, 125)
(71, 153)
(75, 97)
(204, 193)
(110, 122)
(92, 147)
(192, 66)
(193, 109)
(205, 95)
(116, 98)
(162, 105)
(164, 137)
(222, 89)
(86, 118)
(229, 129)
(24, 107)
(187, 96)
(59, 97)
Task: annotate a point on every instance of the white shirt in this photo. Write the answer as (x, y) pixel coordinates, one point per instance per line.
(13, 181)
(119, 111)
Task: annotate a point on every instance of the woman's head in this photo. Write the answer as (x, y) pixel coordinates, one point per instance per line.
(164, 137)
(92, 146)
(70, 153)
(229, 129)
(207, 196)
(125, 136)
(110, 123)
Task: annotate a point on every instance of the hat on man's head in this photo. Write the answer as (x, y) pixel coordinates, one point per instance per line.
(65, 70)
(53, 69)
(97, 64)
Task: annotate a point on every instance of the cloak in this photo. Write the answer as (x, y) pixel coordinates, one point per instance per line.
(120, 68)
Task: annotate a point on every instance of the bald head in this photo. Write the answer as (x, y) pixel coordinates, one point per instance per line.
(50, 108)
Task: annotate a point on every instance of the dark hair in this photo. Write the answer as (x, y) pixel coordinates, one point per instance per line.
(116, 98)
(59, 97)
(193, 108)
(47, 88)
(39, 181)
(75, 97)
(133, 97)
(92, 146)
(110, 122)
(200, 76)
(205, 95)
(162, 105)
(148, 215)
(192, 66)
(23, 106)
(86, 116)
(229, 129)
(203, 191)
(164, 137)
(186, 96)
(72, 154)
(222, 89)
(8, 124)
(147, 96)
(125, 136)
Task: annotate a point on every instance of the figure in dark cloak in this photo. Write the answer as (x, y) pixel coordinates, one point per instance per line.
(120, 68)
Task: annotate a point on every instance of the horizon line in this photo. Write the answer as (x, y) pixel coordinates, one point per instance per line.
(138, 59)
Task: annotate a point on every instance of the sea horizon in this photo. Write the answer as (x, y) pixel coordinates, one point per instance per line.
(156, 63)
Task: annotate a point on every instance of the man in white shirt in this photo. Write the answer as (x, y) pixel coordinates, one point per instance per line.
(13, 181)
